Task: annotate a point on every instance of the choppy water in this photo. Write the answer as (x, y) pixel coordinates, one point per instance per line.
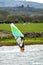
(11, 55)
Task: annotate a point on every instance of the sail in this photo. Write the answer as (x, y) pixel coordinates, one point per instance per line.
(18, 36)
(15, 31)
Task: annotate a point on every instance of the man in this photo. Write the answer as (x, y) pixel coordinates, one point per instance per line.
(20, 43)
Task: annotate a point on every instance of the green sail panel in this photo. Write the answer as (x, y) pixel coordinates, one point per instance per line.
(16, 31)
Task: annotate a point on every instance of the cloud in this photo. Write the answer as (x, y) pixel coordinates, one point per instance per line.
(40, 1)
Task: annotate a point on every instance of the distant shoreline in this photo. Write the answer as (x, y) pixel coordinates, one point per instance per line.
(15, 44)
(33, 34)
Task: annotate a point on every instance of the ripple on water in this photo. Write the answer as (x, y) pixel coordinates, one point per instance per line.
(11, 55)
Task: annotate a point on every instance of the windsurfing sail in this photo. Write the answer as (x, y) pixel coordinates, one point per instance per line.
(17, 34)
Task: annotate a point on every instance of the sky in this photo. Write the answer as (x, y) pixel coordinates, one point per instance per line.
(40, 1)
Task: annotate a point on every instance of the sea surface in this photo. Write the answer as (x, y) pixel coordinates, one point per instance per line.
(11, 55)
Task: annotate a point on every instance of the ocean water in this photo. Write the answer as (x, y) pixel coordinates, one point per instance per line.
(11, 55)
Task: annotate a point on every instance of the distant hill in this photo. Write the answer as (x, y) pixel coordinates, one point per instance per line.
(15, 3)
(23, 10)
